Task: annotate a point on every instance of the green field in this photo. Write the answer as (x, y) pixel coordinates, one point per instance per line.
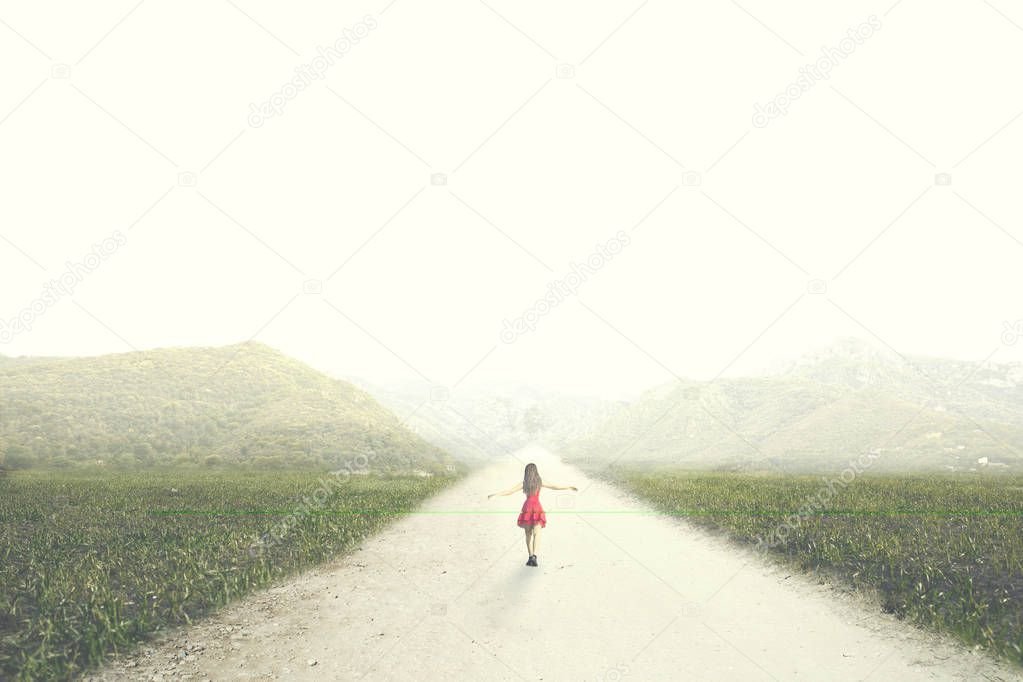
(91, 563)
(941, 551)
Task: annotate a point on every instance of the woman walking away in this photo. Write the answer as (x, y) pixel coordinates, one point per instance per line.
(532, 517)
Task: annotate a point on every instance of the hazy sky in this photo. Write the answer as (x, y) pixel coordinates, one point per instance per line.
(450, 164)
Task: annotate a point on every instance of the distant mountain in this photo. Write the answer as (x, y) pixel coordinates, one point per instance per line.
(849, 362)
(822, 410)
(477, 425)
(241, 404)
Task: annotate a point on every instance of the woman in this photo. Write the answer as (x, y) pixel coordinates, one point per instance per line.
(532, 517)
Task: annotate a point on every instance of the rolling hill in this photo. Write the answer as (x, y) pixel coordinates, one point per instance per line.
(242, 404)
(821, 411)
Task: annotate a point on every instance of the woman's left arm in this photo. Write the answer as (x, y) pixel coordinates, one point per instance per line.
(509, 491)
(559, 487)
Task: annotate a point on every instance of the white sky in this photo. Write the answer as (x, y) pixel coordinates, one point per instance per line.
(540, 169)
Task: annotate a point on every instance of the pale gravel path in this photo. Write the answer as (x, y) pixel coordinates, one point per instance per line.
(616, 597)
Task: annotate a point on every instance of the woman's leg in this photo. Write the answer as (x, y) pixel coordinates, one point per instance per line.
(529, 539)
(536, 540)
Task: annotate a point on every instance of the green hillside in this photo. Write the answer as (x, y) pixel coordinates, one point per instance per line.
(245, 403)
(821, 411)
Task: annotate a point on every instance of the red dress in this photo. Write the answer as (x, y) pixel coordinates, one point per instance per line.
(532, 512)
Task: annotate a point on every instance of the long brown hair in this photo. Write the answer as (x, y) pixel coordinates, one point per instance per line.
(531, 481)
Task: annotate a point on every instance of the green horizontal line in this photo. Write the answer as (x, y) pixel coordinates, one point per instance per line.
(682, 512)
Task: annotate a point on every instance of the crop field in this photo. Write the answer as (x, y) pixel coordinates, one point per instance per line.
(90, 564)
(940, 551)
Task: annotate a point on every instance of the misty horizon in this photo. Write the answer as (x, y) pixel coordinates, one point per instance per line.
(775, 366)
(572, 220)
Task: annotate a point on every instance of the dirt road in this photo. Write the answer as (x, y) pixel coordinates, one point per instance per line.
(445, 595)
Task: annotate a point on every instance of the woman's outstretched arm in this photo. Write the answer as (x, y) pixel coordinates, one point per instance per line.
(559, 487)
(515, 488)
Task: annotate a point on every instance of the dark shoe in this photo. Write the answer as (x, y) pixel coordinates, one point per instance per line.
(532, 560)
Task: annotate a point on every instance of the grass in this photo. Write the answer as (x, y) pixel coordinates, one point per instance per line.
(90, 564)
(939, 551)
